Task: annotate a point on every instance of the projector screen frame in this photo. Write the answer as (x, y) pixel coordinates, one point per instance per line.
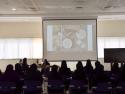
(62, 59)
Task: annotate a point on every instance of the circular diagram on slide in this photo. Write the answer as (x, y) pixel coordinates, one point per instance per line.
(67, 43)
(81, 34)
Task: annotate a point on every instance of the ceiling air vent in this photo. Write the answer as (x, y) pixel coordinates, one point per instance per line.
(32, 8)
(79, 7)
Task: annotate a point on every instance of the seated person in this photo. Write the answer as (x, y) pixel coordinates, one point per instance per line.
(98, 74)
(45, 68)
(25, 66)
(115, 68)
(88, 69)
(1, 75)
(19, 71)
(10, 75)
(64, 70)
(115, 74)
(79, 73)
(122, 74)
(0, 72)
(34, 74)
(54, 74)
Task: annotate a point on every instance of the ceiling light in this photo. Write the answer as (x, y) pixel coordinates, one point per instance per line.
(13, 9)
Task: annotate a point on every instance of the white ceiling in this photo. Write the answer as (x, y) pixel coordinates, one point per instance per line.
(62, 8)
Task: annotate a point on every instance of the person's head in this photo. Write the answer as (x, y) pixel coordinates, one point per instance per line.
(24, 60)
(20, 61)
(54, 68)
(63, 64)
(37, 61)
(0, 72)
(79, 65)
(33, 67)
(97, 63)
(88, 63)
(9, 68)
(18, 67)
(45, 62)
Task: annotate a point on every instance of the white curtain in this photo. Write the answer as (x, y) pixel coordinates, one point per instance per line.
(33, 47)
(10, 48)
(20, 48)
(25, 48)
(109, 42)
(2, 50)
(37, 48)
(100, 47)
(122, 42)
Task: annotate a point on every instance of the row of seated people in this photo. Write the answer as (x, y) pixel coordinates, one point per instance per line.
(23, 72)
(87, 73)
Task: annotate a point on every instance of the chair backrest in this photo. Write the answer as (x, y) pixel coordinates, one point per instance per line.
(120, 89)
(78, 84)
(7, 86)
(121, 84)
(57, 84)
(103, 87)
(32, 85)
(66, 77)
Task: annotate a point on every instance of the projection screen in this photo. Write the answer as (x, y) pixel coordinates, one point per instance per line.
(69, 40)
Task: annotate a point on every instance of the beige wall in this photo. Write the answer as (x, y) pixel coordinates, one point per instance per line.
(34, 29)
(111, 28)
(20, 29)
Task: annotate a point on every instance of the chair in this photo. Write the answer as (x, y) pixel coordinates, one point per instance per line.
(55, 86)
(32, 87)
(78, 87)
(7, 87)
(120, 89)
(102, 88)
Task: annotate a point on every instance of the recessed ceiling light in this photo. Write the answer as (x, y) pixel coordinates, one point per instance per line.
(13, 9)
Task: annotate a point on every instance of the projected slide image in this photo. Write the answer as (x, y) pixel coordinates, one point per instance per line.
(69, 37)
